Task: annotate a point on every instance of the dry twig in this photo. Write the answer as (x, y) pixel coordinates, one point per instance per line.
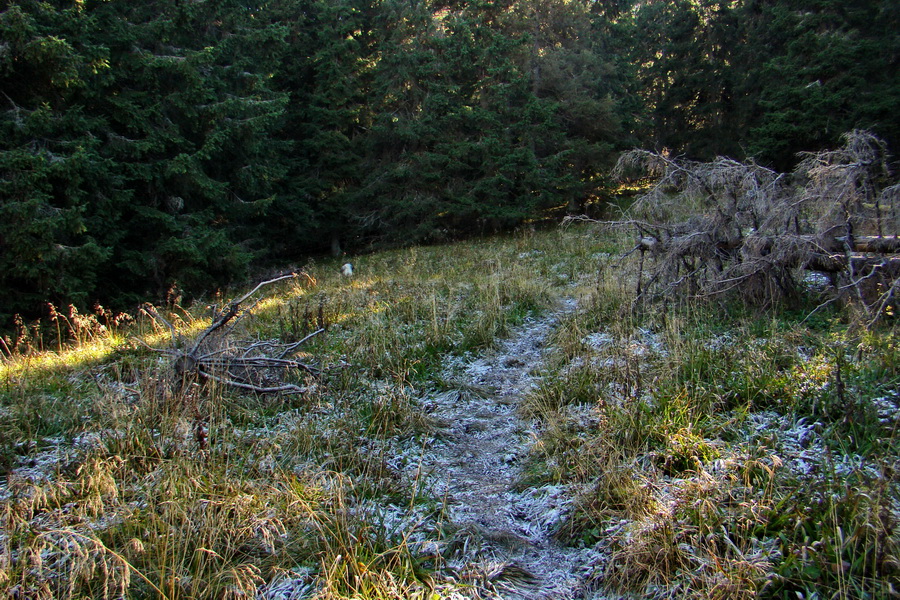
(724, 226)
(252, 366)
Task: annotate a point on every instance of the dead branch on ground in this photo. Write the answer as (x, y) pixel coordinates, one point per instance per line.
(255, 366)
(738, 227)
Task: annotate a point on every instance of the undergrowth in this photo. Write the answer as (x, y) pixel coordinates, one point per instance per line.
(712, 451)
(728, 454)
(122, 481)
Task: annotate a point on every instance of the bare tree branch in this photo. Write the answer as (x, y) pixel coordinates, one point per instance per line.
(256, 366)
(728, 226)
(231, 311)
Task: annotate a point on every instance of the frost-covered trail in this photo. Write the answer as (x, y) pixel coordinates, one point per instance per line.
(504, 540)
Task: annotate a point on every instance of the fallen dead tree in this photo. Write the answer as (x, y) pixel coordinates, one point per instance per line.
(707, 229)
(258, 366)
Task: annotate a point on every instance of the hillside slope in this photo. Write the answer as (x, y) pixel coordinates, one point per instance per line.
(489, 419)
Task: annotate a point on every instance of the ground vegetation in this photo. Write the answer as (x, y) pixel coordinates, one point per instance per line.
(181, 147)
(695, 449)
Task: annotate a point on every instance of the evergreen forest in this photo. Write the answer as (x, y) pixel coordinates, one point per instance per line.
(149, 148)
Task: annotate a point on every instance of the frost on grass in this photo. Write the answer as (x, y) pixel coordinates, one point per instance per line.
(475, 494)
(500, 533)
(802, 450)
(469, 519)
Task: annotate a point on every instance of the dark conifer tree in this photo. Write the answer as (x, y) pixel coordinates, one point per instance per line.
(135, 152)
(833, 67)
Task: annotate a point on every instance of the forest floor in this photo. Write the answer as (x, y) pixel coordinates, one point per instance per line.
(493, 419)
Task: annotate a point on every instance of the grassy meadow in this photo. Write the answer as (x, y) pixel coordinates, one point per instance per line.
(711, 450)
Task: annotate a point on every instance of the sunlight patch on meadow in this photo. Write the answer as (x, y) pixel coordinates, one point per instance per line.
(16, 367)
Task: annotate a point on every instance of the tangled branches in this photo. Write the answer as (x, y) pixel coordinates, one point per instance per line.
(728, 226)
(256, 366)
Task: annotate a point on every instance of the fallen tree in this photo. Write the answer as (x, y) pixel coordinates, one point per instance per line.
(257, 366)
(737, 227)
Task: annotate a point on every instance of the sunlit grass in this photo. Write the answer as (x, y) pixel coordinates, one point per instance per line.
(18, 367)
(34, 367)
(682, 433)
(192, 490)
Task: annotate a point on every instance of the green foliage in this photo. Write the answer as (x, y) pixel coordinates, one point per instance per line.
(134, 150)
(764, 79)
(189, 143)
(145, 147)
(691, 74)
(833, 72)
(834, 543)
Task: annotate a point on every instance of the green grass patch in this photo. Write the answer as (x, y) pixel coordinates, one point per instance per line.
(710, 448)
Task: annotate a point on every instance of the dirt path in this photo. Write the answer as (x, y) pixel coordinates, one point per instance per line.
(504, 544)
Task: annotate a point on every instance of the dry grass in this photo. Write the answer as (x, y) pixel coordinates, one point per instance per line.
(728, 454)
(123, 482)
(713, 452)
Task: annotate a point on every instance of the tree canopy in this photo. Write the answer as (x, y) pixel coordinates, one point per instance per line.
(151, 145)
